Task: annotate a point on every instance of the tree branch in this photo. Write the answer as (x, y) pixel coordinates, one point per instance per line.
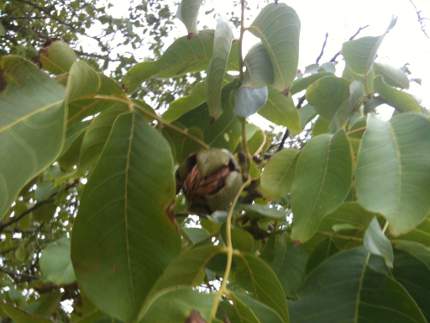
(322, 49)
(420, 18)
(359, 30)
(38, 205)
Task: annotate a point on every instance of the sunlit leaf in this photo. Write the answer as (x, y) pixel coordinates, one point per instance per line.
(393, 76)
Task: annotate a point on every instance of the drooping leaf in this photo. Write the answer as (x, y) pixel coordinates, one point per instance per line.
(223, 39)
(32, 125)
(183, 56)
(393, 170)
(393, 76)
(278, 27)
(188, 11)
(350, 287)
(249, 100)
(327, 95)
(126, 201)
(278, 174)
(323, 178)
(57, 57)
(377, 243)
(177, 305)
(280, 109)
(259, 69)
(288, 261)
(402, 101)
(55, 263)
(256, 276)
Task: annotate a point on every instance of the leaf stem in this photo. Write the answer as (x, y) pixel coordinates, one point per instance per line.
(230, 252)
(179, 130)
(242, 31)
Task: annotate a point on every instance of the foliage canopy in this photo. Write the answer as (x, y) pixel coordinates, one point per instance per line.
(196, 214)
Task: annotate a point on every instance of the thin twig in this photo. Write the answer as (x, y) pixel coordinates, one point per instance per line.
(317, 61)
(229, 245)
(420, 18)
(242, 31)
(179, 130)
(35, 207)
(359, 30)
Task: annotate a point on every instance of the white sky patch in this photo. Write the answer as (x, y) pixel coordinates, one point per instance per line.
(406, 43)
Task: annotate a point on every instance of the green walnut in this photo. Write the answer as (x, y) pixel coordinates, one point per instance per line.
(209, 180)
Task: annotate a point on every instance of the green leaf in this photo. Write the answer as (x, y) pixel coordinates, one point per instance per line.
(303, 83)
(412, 270)
(176, 305)
(188, 10)
(360, 53)
(55, 263)
(307, 113)
(223, 39)
(96, 135)
(393, 76)
(278, 174)
(254, 275)
(280, 109)
(82, 85)
(258, 211)
(323, 179)
(20, 316)
(278, 27)
(249, 100)
(420, 234)
(259, 69)
(402, 101)
(327, 95)
(2, 30)
(349, 287)
(185, 55)
(377, 243)
(125, 200)
(183, 105)
(288, 261)
(249, 310)
(57, 57)
(393, 170)
(188, 268)
(349, 213)
(30, 101)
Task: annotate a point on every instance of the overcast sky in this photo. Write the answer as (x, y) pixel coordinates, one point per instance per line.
(406, 43)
